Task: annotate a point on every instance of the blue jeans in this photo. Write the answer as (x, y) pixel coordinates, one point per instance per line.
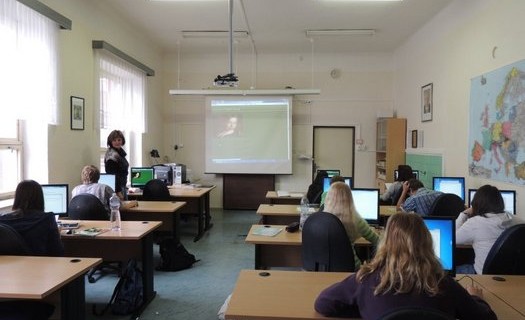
(465, 269)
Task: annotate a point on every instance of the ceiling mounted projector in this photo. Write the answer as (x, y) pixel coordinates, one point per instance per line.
(228, 80)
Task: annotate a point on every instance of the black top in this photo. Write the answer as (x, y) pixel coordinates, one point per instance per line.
(116, 163)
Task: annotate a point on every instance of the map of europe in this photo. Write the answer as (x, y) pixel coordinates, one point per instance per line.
(497, 125)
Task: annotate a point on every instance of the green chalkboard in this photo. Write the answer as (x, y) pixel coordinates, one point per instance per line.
(428, 165)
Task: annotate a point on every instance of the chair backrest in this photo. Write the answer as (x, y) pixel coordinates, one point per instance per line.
(86, 206)
(156, 190)
(412, 313)
(325, 244)
(448, 205)
(11, 242)
(507, 255)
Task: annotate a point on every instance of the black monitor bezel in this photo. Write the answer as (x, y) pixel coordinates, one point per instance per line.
(60, 214)
(351, 182)
(141, 186)
(450, 178)
(371, 221)
(327, 170)
(469, 203)
(415, 174)
(452, 272)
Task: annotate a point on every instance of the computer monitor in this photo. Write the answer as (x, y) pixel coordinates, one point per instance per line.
(455, 185)
(326, 183)
(366, 202)
(331, 172)
(443, 231)
(108, 179)
(509, 199)
(141, 175)
(56, 198)
(415, 174)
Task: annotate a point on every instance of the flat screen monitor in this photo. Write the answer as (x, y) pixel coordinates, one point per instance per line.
(331, 172)
(415, 174)
(455, 185)
(141, 175)
(326, 183)
(108, 179)
(366, 202)
(509, 199)
(56, 198)
(443, 232)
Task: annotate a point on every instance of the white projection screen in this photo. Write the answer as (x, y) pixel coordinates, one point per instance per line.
(249, 134)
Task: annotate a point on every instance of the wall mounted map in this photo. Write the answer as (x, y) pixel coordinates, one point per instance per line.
(497, 125)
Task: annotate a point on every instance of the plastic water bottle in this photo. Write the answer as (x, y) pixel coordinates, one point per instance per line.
(114, 218)
(305, 211)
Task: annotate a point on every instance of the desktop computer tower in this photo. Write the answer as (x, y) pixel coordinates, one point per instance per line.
(179, 173)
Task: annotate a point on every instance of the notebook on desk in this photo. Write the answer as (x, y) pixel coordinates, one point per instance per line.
(282, 193)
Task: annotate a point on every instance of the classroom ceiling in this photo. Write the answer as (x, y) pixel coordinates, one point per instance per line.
(278, 26)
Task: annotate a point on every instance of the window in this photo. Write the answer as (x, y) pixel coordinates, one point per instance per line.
(122, 98)
(29, 62)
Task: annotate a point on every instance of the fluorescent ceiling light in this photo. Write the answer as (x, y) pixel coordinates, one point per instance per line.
(251, 92)
(213, 34)
(357, 0)
(340, 32)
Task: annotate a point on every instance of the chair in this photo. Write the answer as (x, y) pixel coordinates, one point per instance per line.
(11, 242)
(325, 244)
(447, 205)
(507, 255)
(413, 313)
(156, 190)
(86, 206)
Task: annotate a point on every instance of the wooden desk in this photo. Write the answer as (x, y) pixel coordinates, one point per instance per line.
(25, 277)
(165, 211)
(290, 295)
(279, 213)
(272, 198)
(134, 240)
(510, 291)
(283, 249)
(387, 211)
(197, 203)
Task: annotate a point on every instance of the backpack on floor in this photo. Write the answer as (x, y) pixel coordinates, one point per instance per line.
(127, 296)
(174, 257)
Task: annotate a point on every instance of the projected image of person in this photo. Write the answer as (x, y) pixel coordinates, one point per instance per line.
(231, 127)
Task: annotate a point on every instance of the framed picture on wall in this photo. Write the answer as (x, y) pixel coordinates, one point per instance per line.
(77, 113)
(427, 106)
(414, 139)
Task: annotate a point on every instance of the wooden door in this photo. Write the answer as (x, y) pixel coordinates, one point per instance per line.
(334, 148)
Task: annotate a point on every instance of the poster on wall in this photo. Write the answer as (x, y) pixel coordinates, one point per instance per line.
(497, 125)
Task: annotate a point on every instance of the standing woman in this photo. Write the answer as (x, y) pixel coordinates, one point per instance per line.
(116, 163)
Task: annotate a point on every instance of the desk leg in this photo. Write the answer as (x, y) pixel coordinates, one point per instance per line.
(147, 274)
(73, 300)
(207, 213)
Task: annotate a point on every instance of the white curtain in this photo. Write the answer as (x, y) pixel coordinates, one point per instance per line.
(121, 93)
(28, 59)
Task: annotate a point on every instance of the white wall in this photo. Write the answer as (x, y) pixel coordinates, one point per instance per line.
(454, 47)
(363, 90)
(70, 150)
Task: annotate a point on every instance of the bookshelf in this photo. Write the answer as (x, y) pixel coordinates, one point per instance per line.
(390, 149)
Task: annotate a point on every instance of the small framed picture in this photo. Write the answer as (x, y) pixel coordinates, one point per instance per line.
(414, 139)
(427, 106)
(77, 113)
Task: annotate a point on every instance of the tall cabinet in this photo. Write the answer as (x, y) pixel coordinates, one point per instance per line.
(390, 148)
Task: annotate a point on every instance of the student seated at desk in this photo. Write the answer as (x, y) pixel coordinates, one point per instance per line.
(332, 180)
(404, 273)
(90, 176)
(339, 202)
(38, 228)
(421, 198)
(480, 225)
(392, 194)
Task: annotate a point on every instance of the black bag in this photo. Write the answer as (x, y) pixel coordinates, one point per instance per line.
(127, 296)
(174, 257)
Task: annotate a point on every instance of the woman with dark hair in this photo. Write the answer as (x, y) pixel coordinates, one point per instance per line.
(404, 272)
(38, 228)
(391, 195)
(116, 163)
(480, 226)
